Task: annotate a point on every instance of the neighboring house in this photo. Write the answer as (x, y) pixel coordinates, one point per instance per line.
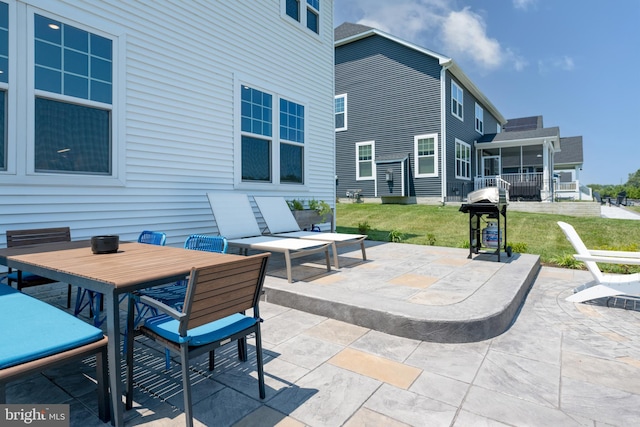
(535, 161)
(412, 127)
(118, 116)
(406, 119)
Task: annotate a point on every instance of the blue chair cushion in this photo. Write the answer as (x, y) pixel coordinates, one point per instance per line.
(167, 328)
(26, 276)
(32, 329)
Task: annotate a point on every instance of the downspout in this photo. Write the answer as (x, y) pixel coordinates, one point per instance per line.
(443, 123)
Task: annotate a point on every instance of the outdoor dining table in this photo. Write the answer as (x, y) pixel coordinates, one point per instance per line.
(133, 266)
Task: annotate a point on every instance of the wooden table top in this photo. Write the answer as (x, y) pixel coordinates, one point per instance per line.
(133, 264)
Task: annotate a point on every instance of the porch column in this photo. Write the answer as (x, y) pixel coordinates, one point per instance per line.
(546, 173)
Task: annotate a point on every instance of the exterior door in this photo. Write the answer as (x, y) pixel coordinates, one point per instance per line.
(491, 166)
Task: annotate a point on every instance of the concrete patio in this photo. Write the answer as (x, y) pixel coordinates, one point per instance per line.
(415, 335)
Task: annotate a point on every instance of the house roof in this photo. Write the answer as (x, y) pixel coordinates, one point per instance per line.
(570, 151)
(523, 123)
(348, 32)
(523, 137)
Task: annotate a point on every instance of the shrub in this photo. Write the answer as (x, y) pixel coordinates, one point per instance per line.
(396, 236)
(518, 247)
(295, 204)
(567, 261)
(364, 227)
(431, 239)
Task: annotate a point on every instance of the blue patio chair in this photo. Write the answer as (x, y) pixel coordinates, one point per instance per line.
(93, 300)
(216, 299)
(173, 295)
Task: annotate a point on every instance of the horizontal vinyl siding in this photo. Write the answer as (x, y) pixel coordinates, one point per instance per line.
(181, 59)
(393, 94)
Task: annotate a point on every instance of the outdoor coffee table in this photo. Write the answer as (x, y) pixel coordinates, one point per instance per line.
(134, 266)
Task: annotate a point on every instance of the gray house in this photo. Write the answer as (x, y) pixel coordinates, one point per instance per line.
(412, 127)
(532, 161)
(407, 119)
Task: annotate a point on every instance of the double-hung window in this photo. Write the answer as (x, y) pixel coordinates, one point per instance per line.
(73, 82)
(272, 133)
(365, 152)
(309, 16)
(426, 155)
(4, 81)
(457, 100)
(479, 119)
(341, 112)
(463, 160)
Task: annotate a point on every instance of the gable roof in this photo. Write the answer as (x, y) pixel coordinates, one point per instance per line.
(348, 33)
(518, 138)
(570, 151)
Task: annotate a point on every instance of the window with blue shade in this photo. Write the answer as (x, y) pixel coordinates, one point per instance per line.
(3, 130)
(263, 146)
(313, 15)
(71, 138)
(305, 12)
(293, 9)
(70, 61)
(4, 42)
(291, 121)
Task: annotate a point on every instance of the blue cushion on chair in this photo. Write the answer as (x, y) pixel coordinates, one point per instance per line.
(167, 328)
(32, 329)
(26, 276)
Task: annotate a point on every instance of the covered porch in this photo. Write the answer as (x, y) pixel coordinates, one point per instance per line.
(521, 162)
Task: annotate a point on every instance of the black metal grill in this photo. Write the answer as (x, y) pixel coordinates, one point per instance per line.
(491, 208)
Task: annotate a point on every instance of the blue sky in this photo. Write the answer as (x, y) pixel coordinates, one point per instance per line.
(575, 62)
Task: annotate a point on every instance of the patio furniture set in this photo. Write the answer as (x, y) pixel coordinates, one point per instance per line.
(190, 301)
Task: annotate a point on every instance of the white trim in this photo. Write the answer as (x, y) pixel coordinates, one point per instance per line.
(373, 163)
(302, 10)
(277, 94)
(469, 162)
(344, 97)
(479, 119)
(416, 157)
(461, 104)
(21, 101)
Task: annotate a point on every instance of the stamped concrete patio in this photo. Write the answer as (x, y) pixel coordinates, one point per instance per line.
(415, 335)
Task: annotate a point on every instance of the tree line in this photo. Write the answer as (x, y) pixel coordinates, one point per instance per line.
(631, 188)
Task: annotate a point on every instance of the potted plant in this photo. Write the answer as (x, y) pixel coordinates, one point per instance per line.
(309, 214)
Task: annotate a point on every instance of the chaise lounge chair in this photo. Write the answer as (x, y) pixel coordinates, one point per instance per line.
(604, 284)
(235, 220)
(282, 223)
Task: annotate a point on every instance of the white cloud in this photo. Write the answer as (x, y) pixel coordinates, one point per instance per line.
(565, 63)
(464, 34)
(523, 4)
(438, 26)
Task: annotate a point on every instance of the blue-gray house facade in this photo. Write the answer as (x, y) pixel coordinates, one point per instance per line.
(407, 120)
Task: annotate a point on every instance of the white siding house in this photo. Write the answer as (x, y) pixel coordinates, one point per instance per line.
(119, 116)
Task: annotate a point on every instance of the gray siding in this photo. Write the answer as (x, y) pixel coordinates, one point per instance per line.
(465, 131)
(393, 94)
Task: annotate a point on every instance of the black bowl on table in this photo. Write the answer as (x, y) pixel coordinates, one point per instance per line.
(105, 244)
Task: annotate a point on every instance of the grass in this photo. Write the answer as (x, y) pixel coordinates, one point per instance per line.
(526, 232)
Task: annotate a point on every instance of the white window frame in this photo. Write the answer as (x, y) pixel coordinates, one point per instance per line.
(10, 95)
(303, 7)
(344, 113)
(479, 123)
(457, 92)
(417, 157)
(276, 93)
(373, 162)
(467, 162)
(22, 98)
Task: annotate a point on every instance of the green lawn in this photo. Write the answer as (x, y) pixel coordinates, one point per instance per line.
(526, 232)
